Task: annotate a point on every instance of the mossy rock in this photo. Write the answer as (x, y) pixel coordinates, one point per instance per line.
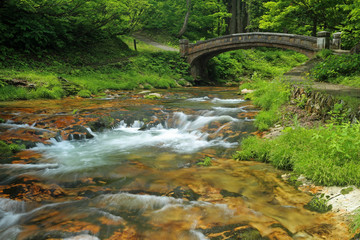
(103, 123)
(7, 150)
(234, 231)
(184, 193)
(318, 204)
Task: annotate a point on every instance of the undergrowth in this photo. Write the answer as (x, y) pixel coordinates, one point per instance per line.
(240, 65)
(343, 69)
(109, 65)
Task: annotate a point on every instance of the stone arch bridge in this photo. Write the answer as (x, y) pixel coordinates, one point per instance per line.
(198, 54)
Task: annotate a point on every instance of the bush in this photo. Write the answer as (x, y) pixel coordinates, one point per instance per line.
(336, 66)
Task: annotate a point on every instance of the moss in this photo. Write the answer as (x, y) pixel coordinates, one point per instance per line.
(84, 94)
(104, 122)
(345, 191)
(7, 150)
(318, 204)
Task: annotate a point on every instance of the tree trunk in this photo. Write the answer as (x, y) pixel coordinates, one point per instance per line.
(239, 4)
(243, 18)
(314, 27)
(186, 20)
(233, 17)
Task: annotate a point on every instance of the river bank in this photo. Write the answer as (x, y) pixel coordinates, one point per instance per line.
(307, 141)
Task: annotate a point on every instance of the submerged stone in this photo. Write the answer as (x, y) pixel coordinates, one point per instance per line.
(233, 231)
(188, 194)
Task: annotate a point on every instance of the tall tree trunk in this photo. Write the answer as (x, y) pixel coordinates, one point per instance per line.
(244, 18)
(233, 17)
(314, 27)
(186, 20)
(238, 16)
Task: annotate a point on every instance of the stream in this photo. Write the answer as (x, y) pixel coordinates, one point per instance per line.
(144, 177)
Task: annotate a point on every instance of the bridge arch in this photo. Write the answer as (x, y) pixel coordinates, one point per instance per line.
(198, 54)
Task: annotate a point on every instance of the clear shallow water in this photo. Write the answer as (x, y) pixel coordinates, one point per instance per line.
(141, 180)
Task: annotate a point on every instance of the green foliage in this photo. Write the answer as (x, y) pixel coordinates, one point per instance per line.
(270, 96)
(7, 150)
(302, 17)
(40, 25)
(208, 18)
(336, 66)
(94, 74)
(324, 53)
(266, 62)
(253, 148)
(351, 29)
(84, 94)
(293, 180)
(302, 101)
(206, 162)
(347, 190)
(344, 69)
(318, 204)
(338, 115)
(334, 150)
(355, 223)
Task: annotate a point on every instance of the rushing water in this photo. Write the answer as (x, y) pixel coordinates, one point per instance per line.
(141, 180)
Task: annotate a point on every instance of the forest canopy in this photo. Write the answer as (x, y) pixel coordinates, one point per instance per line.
(39, 25)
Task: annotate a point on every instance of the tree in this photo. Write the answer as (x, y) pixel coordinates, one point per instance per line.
(302, 16)
(351, 27)
(203, 18)
(186, 20)
(35, 25)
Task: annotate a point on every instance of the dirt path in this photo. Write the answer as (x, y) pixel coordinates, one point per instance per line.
(145, 39)
(299, 74)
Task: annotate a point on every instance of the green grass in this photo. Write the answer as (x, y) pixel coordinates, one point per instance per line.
(109, 65)
(334, 148)
(269, 96)
(326, 155)
(206, 162)
(356, 223)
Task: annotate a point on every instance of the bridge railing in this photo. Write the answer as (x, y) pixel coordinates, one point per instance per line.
(307, 43)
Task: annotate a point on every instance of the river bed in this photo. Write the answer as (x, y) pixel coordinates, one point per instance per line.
(138, 174)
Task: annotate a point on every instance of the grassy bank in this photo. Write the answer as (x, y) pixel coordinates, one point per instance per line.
(343, 69)
(333, 147)
(107, 65)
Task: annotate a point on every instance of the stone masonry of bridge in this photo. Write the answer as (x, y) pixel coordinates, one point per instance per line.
(198, 54)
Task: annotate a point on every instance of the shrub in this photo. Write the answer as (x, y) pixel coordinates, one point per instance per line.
(336, 66)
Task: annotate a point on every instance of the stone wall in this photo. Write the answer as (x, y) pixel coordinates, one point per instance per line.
(322, 103)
